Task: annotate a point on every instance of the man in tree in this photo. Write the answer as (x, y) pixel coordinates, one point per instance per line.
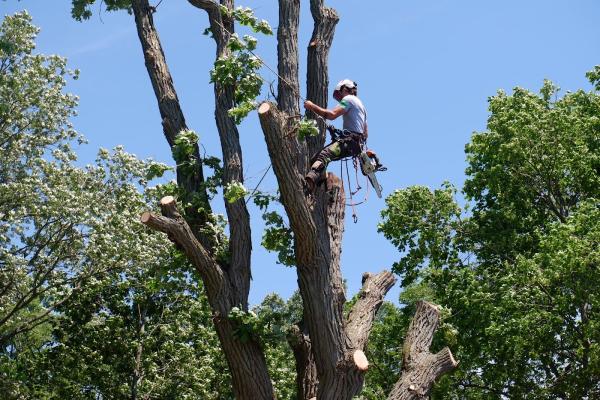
(354, 133)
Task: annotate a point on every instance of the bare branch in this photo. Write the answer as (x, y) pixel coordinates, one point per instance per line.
(288, 88)
(360, 320)
(420, 368)
(180, 232)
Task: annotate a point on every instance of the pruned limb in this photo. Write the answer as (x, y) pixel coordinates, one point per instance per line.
(420, 368)
(360, 319)
(306, 369)
(168, 207)
(180, 232)
(360, 360)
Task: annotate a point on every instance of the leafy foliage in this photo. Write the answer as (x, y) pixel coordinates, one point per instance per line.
(246, 17)
(80, 9)
(277, 316)
(92, 304)
(421, 222)
(238, 68)
(234, 192)
(184, 150)
(517, 274)
(279, 237)
(307, 127)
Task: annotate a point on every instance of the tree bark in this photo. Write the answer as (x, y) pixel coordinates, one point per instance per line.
(317, 74)
(245, 358)
(173, 121)
(307, 380)
(420, 368)
(370, 298)
(240, 242)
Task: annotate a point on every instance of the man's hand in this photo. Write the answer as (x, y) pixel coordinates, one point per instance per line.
(309, 105)
(332, 132)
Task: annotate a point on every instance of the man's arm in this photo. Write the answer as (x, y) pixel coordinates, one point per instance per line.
(323, 112)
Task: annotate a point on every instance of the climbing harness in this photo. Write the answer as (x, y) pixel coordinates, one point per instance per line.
(369, 164)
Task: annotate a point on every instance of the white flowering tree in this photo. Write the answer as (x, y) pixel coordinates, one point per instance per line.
(88, 297)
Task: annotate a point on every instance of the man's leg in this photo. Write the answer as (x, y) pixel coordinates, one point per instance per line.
(332, 152)
(319, 163)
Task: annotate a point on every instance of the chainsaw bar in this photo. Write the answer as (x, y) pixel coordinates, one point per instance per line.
(368, 168)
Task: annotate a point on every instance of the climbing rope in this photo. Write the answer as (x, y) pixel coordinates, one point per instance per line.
(352, 192)
(259, 182)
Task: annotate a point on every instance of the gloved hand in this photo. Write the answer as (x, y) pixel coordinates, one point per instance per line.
(332, 132)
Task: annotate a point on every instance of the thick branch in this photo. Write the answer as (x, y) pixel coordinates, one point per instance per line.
(173, 121)
(317, 75)
(287, 56)
(180, 232)
(420, 368)
(360, 320)
(240, 243)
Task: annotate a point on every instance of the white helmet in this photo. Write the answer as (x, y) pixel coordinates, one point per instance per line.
(345, 82)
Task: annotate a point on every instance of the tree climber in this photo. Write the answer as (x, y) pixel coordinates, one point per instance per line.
(344, 143)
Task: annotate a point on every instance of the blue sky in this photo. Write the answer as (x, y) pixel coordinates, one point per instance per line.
(425, 70)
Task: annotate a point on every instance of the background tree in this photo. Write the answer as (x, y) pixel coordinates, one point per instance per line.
(518, 271)
(85, 310)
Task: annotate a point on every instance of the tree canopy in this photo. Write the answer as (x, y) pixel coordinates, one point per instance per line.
(518, 266)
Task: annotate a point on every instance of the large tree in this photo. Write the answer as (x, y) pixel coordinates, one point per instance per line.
(329, 344)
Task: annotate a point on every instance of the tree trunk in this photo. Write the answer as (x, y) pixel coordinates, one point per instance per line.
(245, 358)
(227, 285)
(318, 234)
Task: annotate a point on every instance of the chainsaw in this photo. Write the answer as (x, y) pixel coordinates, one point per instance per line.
(369, 164)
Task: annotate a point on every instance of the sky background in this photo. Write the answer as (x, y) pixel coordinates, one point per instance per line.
(425, 70)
